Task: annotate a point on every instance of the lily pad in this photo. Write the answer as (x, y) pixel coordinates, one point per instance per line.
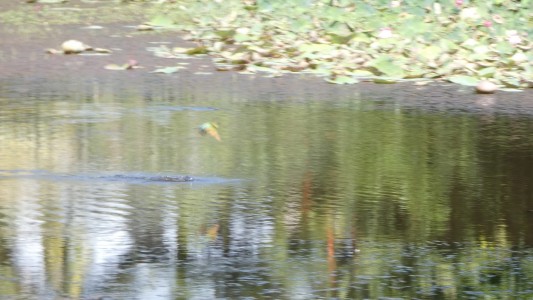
(431, 52)
(464, 80)
(51, 1)
(386, 65)
(383, 80)
(342, 80)
(162, 21)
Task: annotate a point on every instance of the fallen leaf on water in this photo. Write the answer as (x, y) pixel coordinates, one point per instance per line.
(144, 27)
(210, 128)
(168, 70)
(132, 64)
(53, 51)
(101, 50)
(464, 80)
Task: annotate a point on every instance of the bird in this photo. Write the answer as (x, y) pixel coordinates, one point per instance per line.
(210, 128)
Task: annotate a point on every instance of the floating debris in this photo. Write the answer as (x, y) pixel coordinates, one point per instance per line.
(76, 47)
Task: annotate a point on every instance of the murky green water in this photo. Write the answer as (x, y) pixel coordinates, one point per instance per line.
(308, 195)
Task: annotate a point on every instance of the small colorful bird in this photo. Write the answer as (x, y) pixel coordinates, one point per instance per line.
(211, 129)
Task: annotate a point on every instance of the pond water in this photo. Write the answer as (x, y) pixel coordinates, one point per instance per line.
(314, 191)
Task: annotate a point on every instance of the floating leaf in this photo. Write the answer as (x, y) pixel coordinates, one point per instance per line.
(487, 72)
(510, 90)
(256, 68)
(210, 128)
(132, 64)
(161, 21)
(385, 65)
(116, 67)
(361, 73)
(168, 70)
(53, 51)
(101, 50)
(511, 82)
(383, 80)
(197, 50)
(144, 27)
(342, 80)
(51, 1)
(431, 52)
(464, 80)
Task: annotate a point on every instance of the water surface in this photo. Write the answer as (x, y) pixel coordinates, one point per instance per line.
(315, 191)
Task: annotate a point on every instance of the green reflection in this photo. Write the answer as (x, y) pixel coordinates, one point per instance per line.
(342, 199)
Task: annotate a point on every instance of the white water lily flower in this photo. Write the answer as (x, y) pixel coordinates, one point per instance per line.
(243, 30)
(395, 3)
(385, 33)
(513, 37)
(519, 57)
(437, 8)
(470, 13)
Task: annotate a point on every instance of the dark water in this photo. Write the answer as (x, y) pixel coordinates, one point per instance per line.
(314, 192)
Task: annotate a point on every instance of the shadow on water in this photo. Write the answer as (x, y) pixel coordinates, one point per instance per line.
(360, 192)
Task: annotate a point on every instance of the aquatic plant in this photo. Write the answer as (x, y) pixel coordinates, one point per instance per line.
(349, 41)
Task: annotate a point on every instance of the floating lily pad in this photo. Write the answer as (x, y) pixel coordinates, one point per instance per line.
(464, 80)
(342, 80)
(161, 21)
(51, 1)
(386, 65)
(383, 80)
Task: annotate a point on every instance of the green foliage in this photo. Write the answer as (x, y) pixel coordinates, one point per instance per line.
(410, 40)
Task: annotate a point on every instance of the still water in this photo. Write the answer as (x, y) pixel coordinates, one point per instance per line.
(308, 195)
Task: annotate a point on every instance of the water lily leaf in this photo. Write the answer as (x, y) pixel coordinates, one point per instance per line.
(384, 80)
(197, 50)
(168, 70)
(504, 48)
(386, 65)
(361, 73)
(161, 21)
(312, 48)
(510, 82)
(464, 80)
(342, 80)
(53, 51)
(431, 52)
(256, 68)
(341, 39)
(239, 38)
(487, 72)
(51, 1)
(102, 50)
(225, 34)
(510, 90)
